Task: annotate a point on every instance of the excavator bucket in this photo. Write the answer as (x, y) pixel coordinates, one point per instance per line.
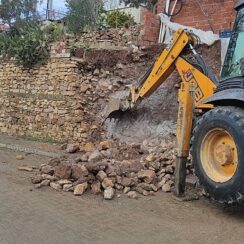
(118, 103)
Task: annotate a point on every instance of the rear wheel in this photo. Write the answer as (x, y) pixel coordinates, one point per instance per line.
(218, 153)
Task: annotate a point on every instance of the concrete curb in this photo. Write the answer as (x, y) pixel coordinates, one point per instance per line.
(20, 148)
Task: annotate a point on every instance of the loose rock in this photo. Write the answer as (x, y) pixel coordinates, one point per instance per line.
(147, 175)
(36, 179)
(80, 189)
(63, 171)
(166, 188)
(107, 182)
(132, 194)
(96, 188)
(109, 193)
(20, 157)
(25, 168)
(101, 175)
(55, 186)
(72, 148)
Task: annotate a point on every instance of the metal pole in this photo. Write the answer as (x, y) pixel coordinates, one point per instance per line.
(49, 9)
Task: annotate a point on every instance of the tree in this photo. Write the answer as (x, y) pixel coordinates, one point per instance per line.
(136, 3)
(83, 14)
(14, 10)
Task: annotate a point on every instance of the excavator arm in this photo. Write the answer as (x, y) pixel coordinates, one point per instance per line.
(164, 66)
(195, 88)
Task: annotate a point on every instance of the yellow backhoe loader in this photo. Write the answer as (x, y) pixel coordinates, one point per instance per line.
(210, 114)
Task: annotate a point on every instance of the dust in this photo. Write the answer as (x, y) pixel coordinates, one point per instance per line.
(154, 118)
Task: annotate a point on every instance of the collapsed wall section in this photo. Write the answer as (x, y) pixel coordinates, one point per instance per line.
(64, 99)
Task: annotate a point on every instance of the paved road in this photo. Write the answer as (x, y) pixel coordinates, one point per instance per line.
(28, 215)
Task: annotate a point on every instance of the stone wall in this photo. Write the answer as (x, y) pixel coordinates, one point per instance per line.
(41, 101)
(112, 37)
(62, 100)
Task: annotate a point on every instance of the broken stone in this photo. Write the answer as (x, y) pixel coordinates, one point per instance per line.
(107, 182)
(54, 162)
(80, 189)
(150, 158)
(147, 175)
(166, 188)
(96, 72)
(95, 156)
(191, 180)
(83, 88)
(84, 158)
(47, 169)
(106, 145)
(45, 183)
(68, 187)
(95, 167)
(96, 188)
(36, 179)
(77, 160)
(147, 187)
(118, 179)
(118, 187)
(72, 148)
(63, 171)
(55, 186)
(89, 147)
(161, 183)
(101, 175)
(126, 190)
(145, 193)
(64, 182)
(20, 157)
(109, 193)
(132, 195)
(79, 171)
(120, 66)
(169, 169)
(126, 181)
(25, 168)
(48, 177)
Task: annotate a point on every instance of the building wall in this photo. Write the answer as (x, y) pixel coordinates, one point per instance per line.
(136, 13)
(215, 15)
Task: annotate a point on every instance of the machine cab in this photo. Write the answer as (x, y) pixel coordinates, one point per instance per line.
(234, 61)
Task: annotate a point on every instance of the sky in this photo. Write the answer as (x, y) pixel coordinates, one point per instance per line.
(57, 5)
(60, 4)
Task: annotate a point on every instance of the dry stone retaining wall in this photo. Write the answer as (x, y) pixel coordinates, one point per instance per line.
(41, 101)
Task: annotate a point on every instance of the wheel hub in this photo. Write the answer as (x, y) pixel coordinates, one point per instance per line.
(224, 154)
(219, 155)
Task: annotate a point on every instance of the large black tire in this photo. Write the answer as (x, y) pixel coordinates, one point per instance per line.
(230, 119)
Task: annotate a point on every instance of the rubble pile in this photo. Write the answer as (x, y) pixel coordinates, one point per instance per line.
(112, 169)
(122, 37)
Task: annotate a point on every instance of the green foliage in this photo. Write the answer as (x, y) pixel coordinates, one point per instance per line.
(74, 45)
(55, 31)
(136, 3)
(15, 10)
(83, 15)
(119, 19)
(27, 42)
